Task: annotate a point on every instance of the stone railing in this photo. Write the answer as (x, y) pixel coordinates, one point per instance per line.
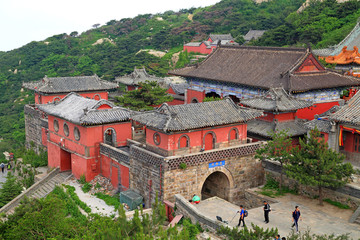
(114, 153)
(188, 210)
(141, 154)
(28, 192)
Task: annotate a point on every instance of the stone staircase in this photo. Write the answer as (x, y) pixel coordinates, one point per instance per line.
(39, 190)
(355, 218)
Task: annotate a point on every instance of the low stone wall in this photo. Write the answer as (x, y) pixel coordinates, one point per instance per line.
(13, 203)
(188, 210)
(348, 194)
(254, 200)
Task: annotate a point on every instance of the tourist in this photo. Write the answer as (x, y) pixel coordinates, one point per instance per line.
(2, 167)
(196, 199)
(283, 238)
(242, 216)
(277, 237)
(295, 217)
(267, 209)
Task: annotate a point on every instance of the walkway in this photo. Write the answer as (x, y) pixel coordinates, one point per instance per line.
(327, 219)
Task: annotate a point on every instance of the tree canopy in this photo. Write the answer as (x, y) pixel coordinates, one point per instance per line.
(146, 97)
(316, 165)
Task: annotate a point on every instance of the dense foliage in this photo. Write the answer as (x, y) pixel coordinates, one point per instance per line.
(322, 23)
(147, 96)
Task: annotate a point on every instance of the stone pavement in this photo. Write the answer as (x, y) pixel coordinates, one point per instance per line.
(325, 219)
(3, 177)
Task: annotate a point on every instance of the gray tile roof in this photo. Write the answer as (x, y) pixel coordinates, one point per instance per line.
(265, 128)
(70, 84)
(323, 125)
(179, 88)
(350, 112)
(138, 76)
(196, 115)
(193, 44)
(83, 111)
(351, 40)
(265, 68)
(276, 100)
(215, 37)
(253, 34)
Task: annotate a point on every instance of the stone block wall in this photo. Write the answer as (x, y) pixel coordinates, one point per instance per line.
(242, 172)
(33, 127)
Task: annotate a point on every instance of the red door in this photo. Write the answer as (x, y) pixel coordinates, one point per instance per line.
(209, 141)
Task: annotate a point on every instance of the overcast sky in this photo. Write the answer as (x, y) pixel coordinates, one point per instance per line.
(23, 21)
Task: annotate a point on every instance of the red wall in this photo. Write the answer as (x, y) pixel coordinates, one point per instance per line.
(171, 141)
(317, 108)
(285, 116)
(85, 152)
(200, 49)
(190, 94)
(349, 141)
(50, 98)
(107, 164)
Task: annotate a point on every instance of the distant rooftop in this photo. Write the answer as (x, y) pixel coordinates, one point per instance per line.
(138, 76)
(265, 128)
(70, 84)
(215, 37)
(351, 40)
(253, 34)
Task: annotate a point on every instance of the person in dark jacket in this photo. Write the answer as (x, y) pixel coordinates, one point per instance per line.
(242, 216)
(267, 209)
(295, 218)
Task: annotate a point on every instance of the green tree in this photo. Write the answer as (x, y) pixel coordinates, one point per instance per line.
(278, 149)
(246, 233)
(148, 95)
(10, 189)
(316, 165)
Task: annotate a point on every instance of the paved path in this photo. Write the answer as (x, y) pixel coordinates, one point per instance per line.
(320, 220)
(3, 177)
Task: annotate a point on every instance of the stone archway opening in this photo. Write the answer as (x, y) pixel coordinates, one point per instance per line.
(216, 184)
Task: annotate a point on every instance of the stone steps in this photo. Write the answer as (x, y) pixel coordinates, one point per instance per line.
(43, 188)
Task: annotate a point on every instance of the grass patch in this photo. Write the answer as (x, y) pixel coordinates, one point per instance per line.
(76, 199)
(86, 187)
(109, 200)
(271, 189)
(337, 204)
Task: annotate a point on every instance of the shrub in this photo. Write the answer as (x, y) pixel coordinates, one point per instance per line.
(183, 166)
(337, 204)
(86, 187)
(82, 179)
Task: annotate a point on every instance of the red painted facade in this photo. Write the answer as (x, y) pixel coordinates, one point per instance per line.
(117, 173)
(43, 99)
(203, 49)
(174, 101)
(196, 138)
(310, 64)
(317, 108)
(81, 156)
(193, 95)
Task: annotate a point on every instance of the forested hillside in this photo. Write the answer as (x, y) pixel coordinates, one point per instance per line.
(71, 54)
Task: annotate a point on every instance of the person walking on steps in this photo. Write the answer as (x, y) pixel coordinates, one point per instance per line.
(2, 165)
(295, 218)
(242, 216)
(267, 209)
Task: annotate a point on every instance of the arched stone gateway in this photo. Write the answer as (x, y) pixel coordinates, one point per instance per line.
(218, 182)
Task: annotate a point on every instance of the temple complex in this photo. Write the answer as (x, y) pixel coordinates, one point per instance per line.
(279, 114)
(242, 72)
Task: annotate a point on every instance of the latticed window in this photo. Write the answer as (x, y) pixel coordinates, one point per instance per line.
(66, 129)
(56, 125)
(77, 133)
(157, 138)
